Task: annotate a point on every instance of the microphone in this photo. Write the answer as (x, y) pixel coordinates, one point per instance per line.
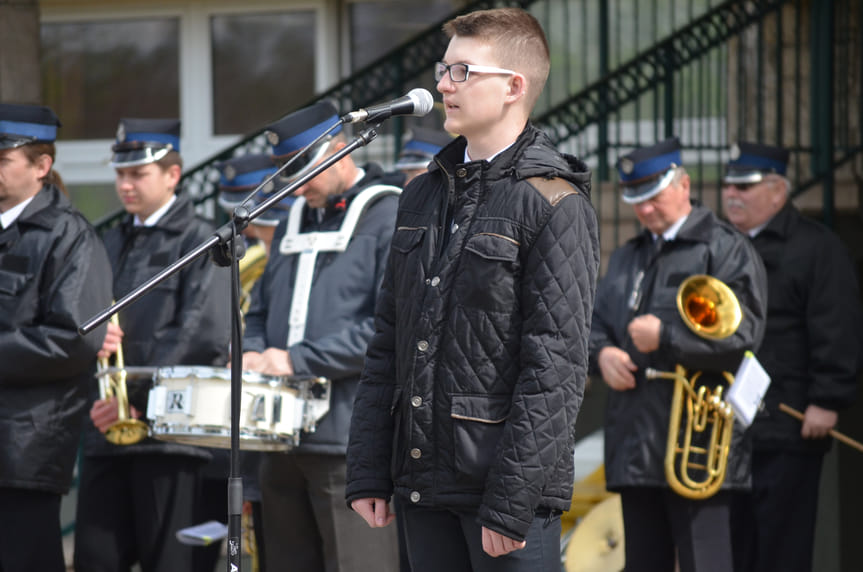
(417, 102)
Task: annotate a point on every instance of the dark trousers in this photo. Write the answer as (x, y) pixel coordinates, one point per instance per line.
(441, 540)
(30, 537)
(774, 526)
(308, 527)
(661, 526)
(129, 510)
(404, 561)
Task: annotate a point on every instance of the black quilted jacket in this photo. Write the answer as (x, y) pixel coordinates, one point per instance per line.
(476, 371)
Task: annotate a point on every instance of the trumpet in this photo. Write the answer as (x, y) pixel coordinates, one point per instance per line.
(711, 310)
(125, 430)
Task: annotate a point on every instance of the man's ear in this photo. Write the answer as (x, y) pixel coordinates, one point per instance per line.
(517, 88)
(174, 173)
(43, 164)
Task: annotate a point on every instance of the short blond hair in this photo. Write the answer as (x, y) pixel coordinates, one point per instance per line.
(517, 39)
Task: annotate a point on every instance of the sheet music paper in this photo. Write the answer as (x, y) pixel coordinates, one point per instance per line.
(747, 391)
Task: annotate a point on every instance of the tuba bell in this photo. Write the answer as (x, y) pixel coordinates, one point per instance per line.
(695, 468)
(112, 383)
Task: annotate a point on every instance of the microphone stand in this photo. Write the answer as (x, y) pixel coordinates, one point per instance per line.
(227, 251)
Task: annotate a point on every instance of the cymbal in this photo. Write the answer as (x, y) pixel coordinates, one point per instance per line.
(597, 542)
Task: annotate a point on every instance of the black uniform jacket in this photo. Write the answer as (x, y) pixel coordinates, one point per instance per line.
(476, 372)
(812, 346)
(54, 275)
(341, 308)
(637, 420)
(185, 320)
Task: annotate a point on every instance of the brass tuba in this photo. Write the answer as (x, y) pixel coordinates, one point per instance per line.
(696, 471)
(112, 383)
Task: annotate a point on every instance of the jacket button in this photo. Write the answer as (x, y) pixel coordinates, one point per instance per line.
(416, 453)
(416, 400)
(435, 281)
(428, 281)
(422, 345)
(415, 496)
(461, 172)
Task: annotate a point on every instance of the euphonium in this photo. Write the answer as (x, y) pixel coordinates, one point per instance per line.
(125, 430)
(711, 310)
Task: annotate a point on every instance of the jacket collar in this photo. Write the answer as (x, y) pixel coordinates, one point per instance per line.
(783, 222)
(38, 212)
(532, 155)
(175, 220)
(698, 227)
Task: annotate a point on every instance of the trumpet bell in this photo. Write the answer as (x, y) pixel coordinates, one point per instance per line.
(708, 307)
(127, 432)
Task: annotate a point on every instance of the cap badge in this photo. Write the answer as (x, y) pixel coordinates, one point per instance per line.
(230, 172)
(734, 152)
(121, 133)
(627, 166)
(272, 137)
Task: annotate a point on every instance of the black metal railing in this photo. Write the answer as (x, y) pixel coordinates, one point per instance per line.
(629, 72)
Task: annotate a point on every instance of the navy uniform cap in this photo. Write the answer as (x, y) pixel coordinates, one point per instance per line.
(143, 141)
(751, 161)
(648, 170)
(240, 176)
(293, 132)
(421, 147)
(23, 124)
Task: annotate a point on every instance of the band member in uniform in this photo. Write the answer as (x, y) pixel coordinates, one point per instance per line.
(54, 274)
(811, 350)
(636, 325)
(240, 176)
(133, 498)
(419, 150)
(475, 375)
(313, 314)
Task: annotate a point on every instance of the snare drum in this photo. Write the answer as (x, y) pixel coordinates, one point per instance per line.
(192, 405)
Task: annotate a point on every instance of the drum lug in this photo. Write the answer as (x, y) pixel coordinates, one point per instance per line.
(257, 406)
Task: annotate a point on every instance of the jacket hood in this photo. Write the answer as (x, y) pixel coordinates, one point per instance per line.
(534, 155)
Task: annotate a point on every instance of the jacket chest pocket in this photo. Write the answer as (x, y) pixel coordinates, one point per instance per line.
(489, 271)
(12, 283)
(13, 305)
(477, 422)
(406, 257)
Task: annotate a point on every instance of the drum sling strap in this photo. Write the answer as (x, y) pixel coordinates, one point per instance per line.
(308, 244)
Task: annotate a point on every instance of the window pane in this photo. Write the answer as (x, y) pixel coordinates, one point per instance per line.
(263, 67)
(379, 26)
(94, 73)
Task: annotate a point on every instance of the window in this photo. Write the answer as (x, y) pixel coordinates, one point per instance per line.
(94, 73)
(379, 26)
(263, 67)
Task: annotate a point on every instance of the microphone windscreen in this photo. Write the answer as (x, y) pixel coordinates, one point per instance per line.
(423, 101)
